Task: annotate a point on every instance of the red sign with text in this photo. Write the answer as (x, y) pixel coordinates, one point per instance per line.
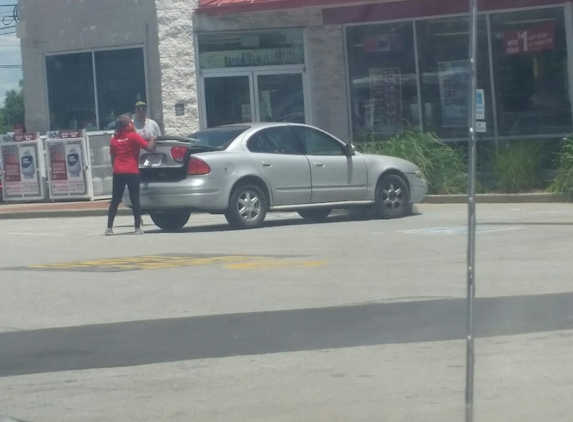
(20, 137)
(533, 40)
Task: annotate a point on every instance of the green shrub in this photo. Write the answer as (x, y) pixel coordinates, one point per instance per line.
(563, 182)
(516, 166)
(442, 165)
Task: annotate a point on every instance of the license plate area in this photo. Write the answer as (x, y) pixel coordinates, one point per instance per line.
(152, 160)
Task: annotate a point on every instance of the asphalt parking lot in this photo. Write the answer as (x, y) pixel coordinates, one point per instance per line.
(345, 320)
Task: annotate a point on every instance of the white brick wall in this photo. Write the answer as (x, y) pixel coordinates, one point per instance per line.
(177, 59)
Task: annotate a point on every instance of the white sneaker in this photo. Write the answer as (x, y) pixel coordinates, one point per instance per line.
(109, 232)
(138, 231)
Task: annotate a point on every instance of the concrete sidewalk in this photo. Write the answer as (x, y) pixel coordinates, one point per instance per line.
(58, 209)
(99, 207)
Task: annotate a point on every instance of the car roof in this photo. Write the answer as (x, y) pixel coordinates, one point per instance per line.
(252, 125)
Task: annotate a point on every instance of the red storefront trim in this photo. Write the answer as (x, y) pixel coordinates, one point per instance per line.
(421, 8)
(223, 7)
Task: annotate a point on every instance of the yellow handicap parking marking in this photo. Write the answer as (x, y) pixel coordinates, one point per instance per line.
(155, 262)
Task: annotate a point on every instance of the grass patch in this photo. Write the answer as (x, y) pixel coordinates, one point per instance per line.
(563, 182)
(516, 166)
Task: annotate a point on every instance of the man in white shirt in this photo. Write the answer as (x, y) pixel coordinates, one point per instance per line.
(145, 127)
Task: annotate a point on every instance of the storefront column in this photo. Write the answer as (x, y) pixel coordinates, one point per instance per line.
(569, 35)
(178, 71)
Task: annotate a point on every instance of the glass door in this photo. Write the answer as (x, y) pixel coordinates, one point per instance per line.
(228, 99)
(253, 96)
(280, 97)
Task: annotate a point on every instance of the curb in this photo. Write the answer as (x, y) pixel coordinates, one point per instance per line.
(430, 199)
(22, 215)
(498, 198)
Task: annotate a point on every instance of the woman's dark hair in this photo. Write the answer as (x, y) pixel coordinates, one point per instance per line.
(122, 122)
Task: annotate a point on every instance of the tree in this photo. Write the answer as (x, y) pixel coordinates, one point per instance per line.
(13, 112)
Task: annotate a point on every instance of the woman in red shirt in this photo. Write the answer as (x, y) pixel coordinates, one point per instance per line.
(125, 147)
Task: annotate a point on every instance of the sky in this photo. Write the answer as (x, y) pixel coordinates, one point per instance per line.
(9, 54)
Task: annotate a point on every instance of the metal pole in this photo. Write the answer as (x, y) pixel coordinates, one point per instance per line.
(471, 215)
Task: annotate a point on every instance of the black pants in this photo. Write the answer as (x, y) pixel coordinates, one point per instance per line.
(119, 182)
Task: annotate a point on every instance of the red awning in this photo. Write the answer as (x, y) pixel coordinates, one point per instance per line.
(240, 6)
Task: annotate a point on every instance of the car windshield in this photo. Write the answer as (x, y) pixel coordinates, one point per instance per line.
(220, 137)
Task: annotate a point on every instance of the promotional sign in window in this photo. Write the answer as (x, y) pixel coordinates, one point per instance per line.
(386, 101)
(22, 162)
(533, 40)
(454, 79)
(67, 165)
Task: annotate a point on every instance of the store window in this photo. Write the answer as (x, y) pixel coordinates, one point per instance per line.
(250, 49)
(382, 72)
(120, 83)
(530, 62)
(445, 74)
(72, 89)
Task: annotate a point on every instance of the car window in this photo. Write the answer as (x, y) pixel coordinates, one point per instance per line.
(220, 137)
(316, 142)
(276, 140)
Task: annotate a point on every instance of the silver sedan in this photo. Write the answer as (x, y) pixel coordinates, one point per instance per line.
(246, 170)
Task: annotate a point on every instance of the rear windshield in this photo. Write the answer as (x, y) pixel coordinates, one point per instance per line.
(220, 137)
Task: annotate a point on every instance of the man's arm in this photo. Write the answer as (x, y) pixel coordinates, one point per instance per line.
(151, 143)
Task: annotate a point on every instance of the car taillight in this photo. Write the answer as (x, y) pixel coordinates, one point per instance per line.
(178, 153)
(197, 167)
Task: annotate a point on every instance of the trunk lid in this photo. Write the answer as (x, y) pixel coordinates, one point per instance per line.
(168, 161)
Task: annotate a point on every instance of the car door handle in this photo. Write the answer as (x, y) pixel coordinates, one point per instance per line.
(318, 164)
(266, 164)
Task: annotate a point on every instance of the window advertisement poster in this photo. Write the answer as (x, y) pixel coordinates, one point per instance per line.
(22, 169)
(529, 41)
(385, 111)
(454, 79)
(67, 169)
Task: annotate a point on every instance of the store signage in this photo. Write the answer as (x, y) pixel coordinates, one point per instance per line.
(65, 134)
(19, 137)
(254, 57)
(22, 176)
(385, 113)
(533, 40)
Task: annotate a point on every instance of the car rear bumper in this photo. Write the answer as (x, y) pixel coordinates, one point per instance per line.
(418, 188)
(196, 193)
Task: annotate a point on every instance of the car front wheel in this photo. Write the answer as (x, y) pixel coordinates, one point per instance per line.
(247, 207)
(170, 220)
(392, 197)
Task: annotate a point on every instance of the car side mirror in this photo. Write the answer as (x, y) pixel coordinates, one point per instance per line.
(349, 150)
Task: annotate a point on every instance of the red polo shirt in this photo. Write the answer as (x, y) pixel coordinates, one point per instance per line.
(124, 149)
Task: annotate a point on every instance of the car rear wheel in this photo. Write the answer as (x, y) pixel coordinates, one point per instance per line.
(170, 220)
(315, 215)
(247, 207)
(392, 197)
